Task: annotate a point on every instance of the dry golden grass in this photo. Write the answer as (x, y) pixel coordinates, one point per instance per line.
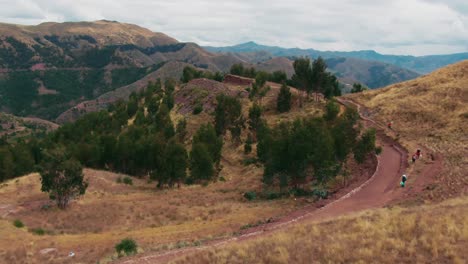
(431, 111)
(109, 212)
(427, 234)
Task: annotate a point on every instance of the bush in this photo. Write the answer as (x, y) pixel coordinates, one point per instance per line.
(378, 150)
(320, 193)
(38, 231)
(197, 109)
(18, 223)
(273, 195)
(250, 196)
(249, 160)
(127, 180)
(127, 246)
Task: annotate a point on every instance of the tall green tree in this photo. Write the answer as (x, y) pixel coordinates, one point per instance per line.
(62, 177)
(302, 74)
(201, 163)
(206, 135)
(228, 111)
(283, 101)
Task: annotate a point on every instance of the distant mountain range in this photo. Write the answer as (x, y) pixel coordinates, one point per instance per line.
(422, 64)
(53, 70)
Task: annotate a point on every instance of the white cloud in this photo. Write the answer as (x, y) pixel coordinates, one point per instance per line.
(398, 26)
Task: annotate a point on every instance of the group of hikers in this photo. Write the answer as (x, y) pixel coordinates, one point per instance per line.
(415, 156)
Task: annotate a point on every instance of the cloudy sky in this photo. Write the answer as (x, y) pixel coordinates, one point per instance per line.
(416, 27)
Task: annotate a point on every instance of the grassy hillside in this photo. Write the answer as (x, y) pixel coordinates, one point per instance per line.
(17, 127)
(431, 112)
(426, 234)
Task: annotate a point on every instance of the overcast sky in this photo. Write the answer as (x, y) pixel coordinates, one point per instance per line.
(416, 27)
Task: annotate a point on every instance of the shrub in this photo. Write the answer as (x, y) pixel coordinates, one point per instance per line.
(249, 160)
(250, 196)
(320, 193)
(127, 246)
(127, 180)
(197, 109)
(18, 223)
(38, 231)
(272, 195)
(378, 150)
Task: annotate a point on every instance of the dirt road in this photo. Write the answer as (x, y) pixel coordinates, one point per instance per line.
(379, 190)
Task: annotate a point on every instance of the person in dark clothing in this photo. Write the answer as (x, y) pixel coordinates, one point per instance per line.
(403, 180)
(414, 158)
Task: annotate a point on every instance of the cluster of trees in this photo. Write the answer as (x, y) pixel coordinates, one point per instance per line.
(295, 153)
(313, 77)
(251, 72)
(136, 137)
(20, 89)
(189, 73)
(357, 88)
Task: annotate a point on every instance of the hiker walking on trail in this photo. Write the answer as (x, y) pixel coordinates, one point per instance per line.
(414, 158)
(403, 180)
(419, 153)
(389, 125)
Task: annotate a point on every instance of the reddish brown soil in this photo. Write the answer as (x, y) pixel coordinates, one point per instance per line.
(381, 189)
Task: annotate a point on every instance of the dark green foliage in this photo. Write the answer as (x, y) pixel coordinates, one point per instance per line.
(191, 73)
(332, 109)
(7, 165)
(345, 134)
(228, 114)
(206, 135)
(255, 119)
(132, 107)
(181, 130)
(201, 163)
(197, 109)
(127, 246)
(62, 177)
(283, 102)
(127, 180)
(306, 149)
(365, 145)
(175, 165)
(250, 195)
(378, 150)
(261, 78)
(17, 223)
(248, 145)
(38, 231)
(357, 88)
(302, 74)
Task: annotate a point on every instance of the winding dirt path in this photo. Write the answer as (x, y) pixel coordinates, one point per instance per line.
(377, 191)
